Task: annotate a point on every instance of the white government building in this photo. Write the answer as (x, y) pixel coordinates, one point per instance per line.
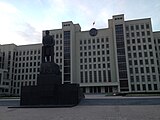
(125, 57)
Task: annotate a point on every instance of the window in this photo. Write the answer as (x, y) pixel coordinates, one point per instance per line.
(138, 41)
(80, 42)
(39, 51)
(99, 65)
(140, 54)
(100, 76)
(142, 26)
(132, 34)
(107, 51)
(104, 65)
(138, 87)
(108, 64)
(134, 47)
(137, 27)
(129, 55)
(155, 87)
(81, 54)
(150, 46)
(132, 27)
(95, 76)
(143, 33)
(128, 41)
(149, 87)
(137, 33)
(81, 73)
(147, 26)
(141, 62)
(103, 59)
(98, 52)
(103, 52)
(152, 61)
(131, 71)
(144, 47)
(146, 61)
(104, 76)
(135, 55)
(151, 53)
(127, 34)
(144, 87)
(85, 60)
(132, 79)
(148, 78)
(108, 59)
(144, 40)
(94, 59)
(145, 54)
(149, 39)
(93, 40)
(81, 60)
(133, 41)
(148, 33)
(97, 40)
(154, 77)
(132, 88)
(57, 35)
(136, 70)
(102, 46)
(130, 62)
(34, 76)
(143, 78)
(89, 41)
(107, 39)
(142, 70)
(153, 69)
(129, 48)
(147, 70)
(30, 63)
(90, 66)
(85, 66)
(127, 28)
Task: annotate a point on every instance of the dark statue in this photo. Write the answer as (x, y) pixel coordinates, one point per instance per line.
(48, 48)
(49, 91)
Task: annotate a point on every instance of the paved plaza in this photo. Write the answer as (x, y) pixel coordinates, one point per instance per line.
(84, 111)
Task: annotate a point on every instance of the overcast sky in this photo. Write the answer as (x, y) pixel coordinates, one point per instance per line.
(22, 21)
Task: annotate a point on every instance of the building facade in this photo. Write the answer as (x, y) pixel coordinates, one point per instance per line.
(125, 57)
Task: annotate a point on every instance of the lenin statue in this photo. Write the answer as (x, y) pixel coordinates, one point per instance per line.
(48, 48)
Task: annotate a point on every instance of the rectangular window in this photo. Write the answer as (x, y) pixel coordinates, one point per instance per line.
(143, 33)
(147, 26)
(142, 26)
(137, 27)
(148, 33)
(155, 87)
(149, 87)
(138, 87)
(132, 27)
(144, 87)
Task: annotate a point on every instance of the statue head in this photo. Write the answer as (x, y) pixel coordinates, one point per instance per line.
(47, 32)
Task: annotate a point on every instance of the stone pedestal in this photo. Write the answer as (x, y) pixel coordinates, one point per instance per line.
(50, 90)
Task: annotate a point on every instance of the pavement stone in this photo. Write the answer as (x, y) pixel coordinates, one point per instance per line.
(150, 112)
(83, 112)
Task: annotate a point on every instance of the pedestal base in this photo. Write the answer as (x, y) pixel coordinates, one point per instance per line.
(61, 95)
(50, 90)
